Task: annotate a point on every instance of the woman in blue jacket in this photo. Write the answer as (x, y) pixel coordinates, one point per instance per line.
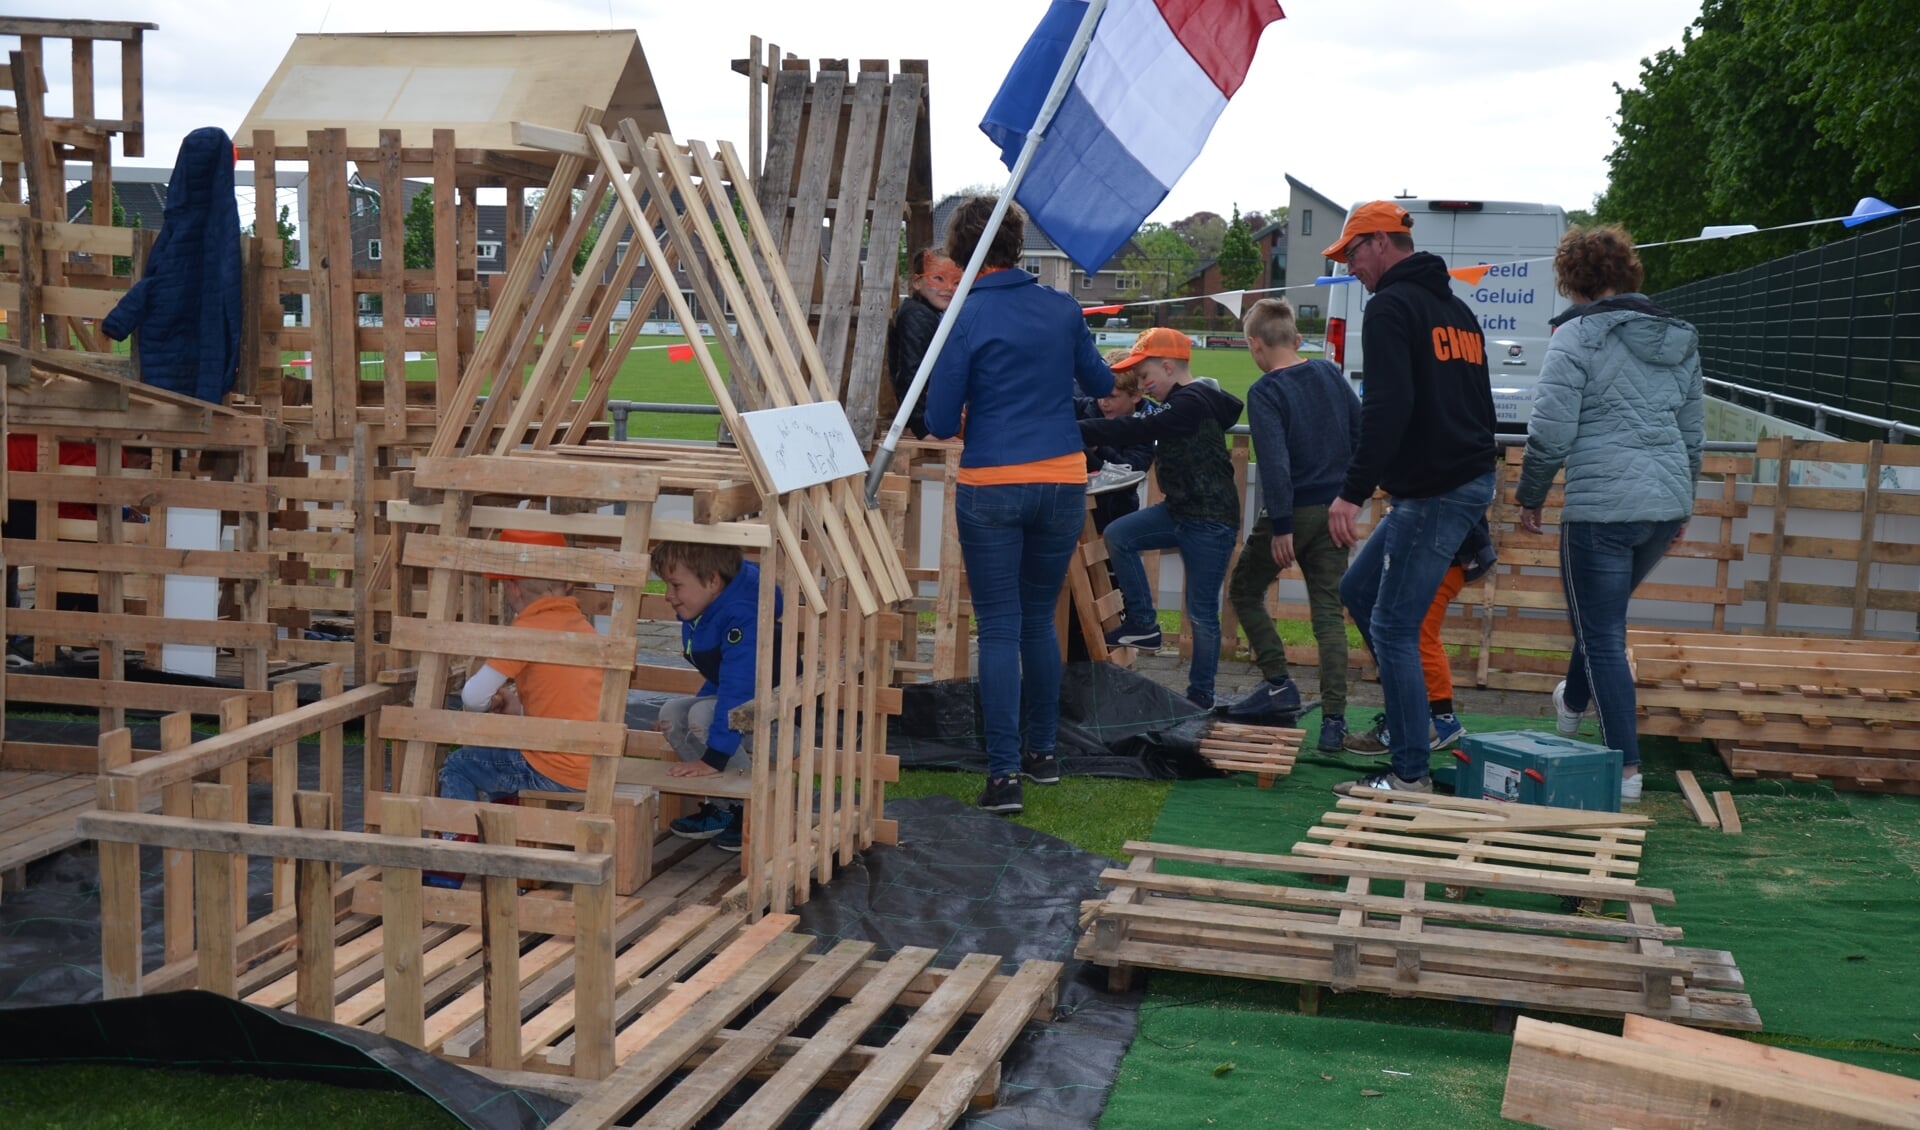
(1619, 405)
(1008, 372)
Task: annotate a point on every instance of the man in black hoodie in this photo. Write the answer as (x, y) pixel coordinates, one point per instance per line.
(1201, 514)
(1426, 438)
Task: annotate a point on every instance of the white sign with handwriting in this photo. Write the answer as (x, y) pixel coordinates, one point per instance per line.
(805, 444)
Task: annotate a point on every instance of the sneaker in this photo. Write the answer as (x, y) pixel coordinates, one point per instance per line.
(1482, 564)
(1630, 789)
(1371, 741)
(1112, 477)
(705, 824)
(1146, 637)
(1333, 733)
(730, 838)
(16, 660)
(1040, 768)
(1266, 698)
(1003, 794)
(1566, 722)
(1447, 730)
(83, 654)
(1202, 699)
(1387, 781)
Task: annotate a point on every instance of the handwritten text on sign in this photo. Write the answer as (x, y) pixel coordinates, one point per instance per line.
(805, 444)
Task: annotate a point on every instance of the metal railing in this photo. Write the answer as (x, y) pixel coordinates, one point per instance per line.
(1771, 402)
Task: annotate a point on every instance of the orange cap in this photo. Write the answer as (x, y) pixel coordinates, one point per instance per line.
(527, 537)
(1160, 341)
(1373, 216)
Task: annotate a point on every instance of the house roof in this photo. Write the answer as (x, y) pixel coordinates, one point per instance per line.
(143, 202)
(1036, 242)
(476, 83)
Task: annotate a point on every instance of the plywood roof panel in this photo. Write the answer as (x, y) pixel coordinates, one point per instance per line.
(477, 83)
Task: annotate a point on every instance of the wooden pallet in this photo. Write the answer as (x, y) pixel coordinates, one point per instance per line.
(839, 996)
(1655, 1074)
(1405, 943)
(1267, 752)
(37, 811)
(1843, 710)
(1502, 838)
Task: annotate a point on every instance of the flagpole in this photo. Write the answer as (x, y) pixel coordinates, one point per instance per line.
(1069, 66)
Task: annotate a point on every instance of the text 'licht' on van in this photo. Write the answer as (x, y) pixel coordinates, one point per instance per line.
(1514, 300)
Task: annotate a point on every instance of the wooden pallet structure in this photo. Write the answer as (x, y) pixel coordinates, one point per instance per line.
(1268, 752)
(1418, 935)
(1656, 1074)
(1809, 708)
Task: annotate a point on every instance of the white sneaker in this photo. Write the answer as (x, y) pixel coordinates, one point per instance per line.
(1630, 789)
(1566, 722)
(1112, 477)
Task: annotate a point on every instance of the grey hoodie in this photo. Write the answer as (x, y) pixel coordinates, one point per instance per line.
(1619, 405)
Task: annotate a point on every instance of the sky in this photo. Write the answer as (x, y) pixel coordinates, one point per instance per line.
(1494, 99)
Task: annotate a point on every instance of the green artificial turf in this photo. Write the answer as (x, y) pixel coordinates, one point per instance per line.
(1818, 901)
(93, 1097)
(1096, 814)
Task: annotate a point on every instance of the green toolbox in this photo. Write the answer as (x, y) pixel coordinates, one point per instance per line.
(1535, 768)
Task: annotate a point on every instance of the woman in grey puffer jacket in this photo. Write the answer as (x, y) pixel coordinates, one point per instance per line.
(1619, 405)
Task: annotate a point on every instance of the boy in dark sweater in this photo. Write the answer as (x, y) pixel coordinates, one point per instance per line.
(1306, 425)
(1200, 516)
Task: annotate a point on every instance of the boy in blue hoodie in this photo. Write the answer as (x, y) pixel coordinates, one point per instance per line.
(1306, 426)
(716, 595)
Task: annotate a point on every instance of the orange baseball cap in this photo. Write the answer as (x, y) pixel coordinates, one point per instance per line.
(1373, 216)
(527, 537)
(1160, 341)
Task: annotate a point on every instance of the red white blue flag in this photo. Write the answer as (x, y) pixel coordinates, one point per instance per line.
(1155, 78)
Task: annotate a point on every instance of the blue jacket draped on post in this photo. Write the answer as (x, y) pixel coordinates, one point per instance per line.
(187, 305)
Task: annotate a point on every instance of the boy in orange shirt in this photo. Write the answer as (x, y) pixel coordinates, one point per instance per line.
(537, 690)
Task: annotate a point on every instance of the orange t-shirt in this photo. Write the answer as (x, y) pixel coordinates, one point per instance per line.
(1068, 468)
(550, 690)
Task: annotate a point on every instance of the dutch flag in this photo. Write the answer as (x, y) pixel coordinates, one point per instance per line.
(1155, 78)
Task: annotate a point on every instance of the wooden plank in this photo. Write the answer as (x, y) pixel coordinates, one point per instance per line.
(477, 555)
(1692, 1042)
(401, 917)
(314, 912)
(120, 940)
(500, 949)
(690, 1027)
(348, 847)
(183, 763)
(1696, 798)
(700, 1091)
(1729, 816)
(777, 1098)
(567, 649)
(213, 907)
(945, 1099)
(1572, 1079)
(493, 474)
(863, 1101)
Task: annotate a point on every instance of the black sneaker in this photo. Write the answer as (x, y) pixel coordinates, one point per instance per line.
(1003, 795)
(1265, 700)
(1040, 768)
(1146, 637)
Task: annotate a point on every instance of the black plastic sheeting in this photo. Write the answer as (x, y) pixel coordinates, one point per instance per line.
(1113, 723)
(963, 881)
(211, 1033)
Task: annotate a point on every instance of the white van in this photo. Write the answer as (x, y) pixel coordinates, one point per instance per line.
(1514, 300)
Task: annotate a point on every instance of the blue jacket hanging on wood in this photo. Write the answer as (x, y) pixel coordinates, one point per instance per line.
(187, 305)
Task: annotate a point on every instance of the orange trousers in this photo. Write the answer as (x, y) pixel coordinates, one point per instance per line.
(1433, 657)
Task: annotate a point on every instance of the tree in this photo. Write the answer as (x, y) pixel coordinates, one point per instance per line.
(283, 227)
(418, 253)
(1239, 255)
(1203, 230)
(1165, 260)
(122, 265)
(1770, 112)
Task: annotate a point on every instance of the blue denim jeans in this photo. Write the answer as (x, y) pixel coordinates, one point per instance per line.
(1016, 540)
(1388, 589)
(484, 772)
(1205, 548)
(1601, 563)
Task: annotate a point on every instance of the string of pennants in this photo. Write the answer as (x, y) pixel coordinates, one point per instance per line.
(1866, 211)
